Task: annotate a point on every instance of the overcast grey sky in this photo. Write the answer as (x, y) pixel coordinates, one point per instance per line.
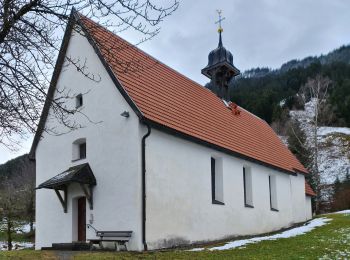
(258, 33)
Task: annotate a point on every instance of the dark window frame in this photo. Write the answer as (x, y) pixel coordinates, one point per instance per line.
(272, 208)
(79, 101)
(82, 151)
(213, 175)
(79, 149)
(245, 189)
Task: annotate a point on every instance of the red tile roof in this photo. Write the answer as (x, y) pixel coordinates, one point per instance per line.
(308, 190)
(169, 99)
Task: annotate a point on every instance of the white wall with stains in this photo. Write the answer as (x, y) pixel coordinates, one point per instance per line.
(179, 202)
(113, 152)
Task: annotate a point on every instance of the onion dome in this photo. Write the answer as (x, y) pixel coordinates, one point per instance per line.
(219, 58)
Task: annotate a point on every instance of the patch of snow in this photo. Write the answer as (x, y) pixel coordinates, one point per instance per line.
(197, 249)
(318, 222)
(19, 227)
(326, 130)
(347, 211)
(16, 245)
(25, 228)
(282, 102)
(284, 140)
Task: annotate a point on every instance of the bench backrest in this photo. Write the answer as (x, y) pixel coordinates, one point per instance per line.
(114, 233)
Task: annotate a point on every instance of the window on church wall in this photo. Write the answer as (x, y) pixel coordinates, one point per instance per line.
(247, 187)
(79, 101)
(79, 149)
(217, 192)
(82, 151)
(273, 193)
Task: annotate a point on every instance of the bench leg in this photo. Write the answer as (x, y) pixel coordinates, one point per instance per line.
(123, 243)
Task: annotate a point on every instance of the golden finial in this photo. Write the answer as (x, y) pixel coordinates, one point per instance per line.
(220, 30)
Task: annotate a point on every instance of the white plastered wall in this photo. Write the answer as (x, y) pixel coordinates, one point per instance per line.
(308, 207)
(113, 152)
(179, 205)
(298, 200)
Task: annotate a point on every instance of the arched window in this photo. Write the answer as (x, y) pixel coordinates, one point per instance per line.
(79, 149)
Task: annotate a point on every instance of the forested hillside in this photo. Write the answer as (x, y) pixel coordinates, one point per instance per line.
(17, 194)
(266, 92)
(18, 166)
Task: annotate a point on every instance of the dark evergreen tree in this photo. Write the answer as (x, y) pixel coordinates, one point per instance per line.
(341, 194)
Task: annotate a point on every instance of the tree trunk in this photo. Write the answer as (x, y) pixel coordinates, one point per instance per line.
(31, 225)
(9, 234)
(31, 213)
(316, 170)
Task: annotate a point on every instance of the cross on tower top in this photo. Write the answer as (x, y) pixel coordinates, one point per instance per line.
(220, 30)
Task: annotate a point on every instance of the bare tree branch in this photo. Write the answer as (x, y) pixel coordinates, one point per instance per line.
(30, 38)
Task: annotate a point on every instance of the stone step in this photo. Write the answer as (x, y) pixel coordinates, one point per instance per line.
(75, 246)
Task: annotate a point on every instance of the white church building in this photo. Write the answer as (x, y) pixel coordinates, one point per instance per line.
(170, 161)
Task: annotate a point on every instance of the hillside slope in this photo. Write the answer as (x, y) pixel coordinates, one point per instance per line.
(341, 54)
(334, 159)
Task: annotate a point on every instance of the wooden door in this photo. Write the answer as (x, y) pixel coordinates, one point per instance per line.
(82, 219)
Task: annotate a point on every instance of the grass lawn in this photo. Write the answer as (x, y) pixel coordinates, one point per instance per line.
(331, 241)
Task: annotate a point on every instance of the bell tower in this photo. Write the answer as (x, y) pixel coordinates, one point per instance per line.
(220, 69)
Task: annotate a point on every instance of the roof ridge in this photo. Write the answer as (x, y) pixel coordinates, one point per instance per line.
(145, 53)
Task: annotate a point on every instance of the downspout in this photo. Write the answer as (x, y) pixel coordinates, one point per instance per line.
(143, 144)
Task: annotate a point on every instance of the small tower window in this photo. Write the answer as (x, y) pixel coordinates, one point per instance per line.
(79, 101)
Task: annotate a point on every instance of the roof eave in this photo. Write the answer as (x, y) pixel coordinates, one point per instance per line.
(205, 70)
(177, 133)
(301, 172)
(310, 195)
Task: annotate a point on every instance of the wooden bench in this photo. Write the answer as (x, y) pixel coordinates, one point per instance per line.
(118, 237)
